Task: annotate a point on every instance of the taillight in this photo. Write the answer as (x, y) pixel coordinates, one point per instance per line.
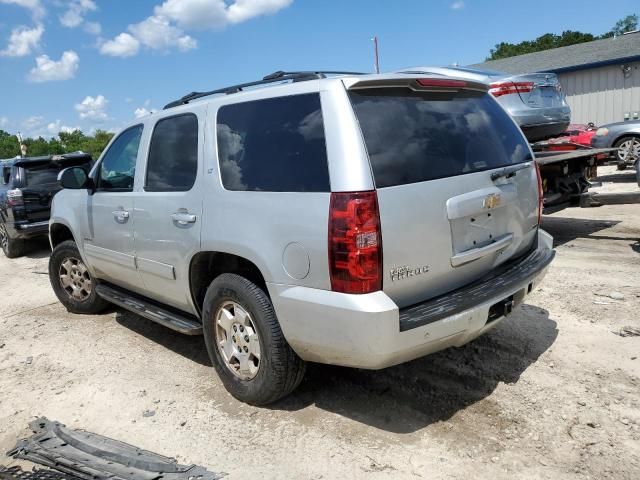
(441, 83)
(355, 242)
(506, 88)
(540, 193)
(14, 197)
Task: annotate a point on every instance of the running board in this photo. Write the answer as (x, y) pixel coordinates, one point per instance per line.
(144, 308)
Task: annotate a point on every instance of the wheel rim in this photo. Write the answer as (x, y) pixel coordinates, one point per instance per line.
(629, 150)
(237, 339)
(4, 239)
(75, 279)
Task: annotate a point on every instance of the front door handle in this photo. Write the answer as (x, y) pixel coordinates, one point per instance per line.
(183, 218)
(121, 215)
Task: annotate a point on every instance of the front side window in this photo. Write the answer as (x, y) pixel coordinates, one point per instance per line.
(275, 145)
(173, 155)
(118, 166)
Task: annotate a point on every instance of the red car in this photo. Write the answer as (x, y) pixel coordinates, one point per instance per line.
(577, 133)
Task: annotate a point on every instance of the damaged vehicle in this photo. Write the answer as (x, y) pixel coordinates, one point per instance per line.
(348, 219)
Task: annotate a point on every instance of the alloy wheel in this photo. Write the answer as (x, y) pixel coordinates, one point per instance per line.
(75, 279)
(237, 340)
(629, 150)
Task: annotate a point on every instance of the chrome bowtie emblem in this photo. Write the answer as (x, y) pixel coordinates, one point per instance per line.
(492, 200)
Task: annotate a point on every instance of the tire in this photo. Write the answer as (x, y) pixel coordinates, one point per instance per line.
(630, 142)
(638, 172)
(279, 369)
(12, 247)
(77, 291)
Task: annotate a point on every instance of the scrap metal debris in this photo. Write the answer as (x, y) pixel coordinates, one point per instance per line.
(16, 473)
(87, 456)
(628, 332)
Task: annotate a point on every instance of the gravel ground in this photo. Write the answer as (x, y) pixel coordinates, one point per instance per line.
(552, 392)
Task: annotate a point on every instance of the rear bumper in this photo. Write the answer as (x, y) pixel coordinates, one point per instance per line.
(535, 133)
(27, 229)
(369, 331)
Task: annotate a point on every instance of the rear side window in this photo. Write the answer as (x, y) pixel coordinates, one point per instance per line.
(413, 136)
(6, 175)
(173, 155)
(274, 145)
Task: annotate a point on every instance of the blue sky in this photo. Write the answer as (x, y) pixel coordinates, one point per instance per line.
(96, 64)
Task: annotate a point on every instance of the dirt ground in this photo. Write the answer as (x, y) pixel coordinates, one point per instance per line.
(552, 392)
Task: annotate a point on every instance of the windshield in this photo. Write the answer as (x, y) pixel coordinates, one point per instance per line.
(414, 136)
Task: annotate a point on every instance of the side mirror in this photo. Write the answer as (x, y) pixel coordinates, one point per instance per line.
(74, 178)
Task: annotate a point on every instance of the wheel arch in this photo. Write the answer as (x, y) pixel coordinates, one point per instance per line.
(208, 265)
(60, 232)
(625, 135)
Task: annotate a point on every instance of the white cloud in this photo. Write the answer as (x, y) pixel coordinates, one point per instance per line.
(194, 13)
(242, 10)
(158, 34)
(457, 5)
(93, 108)
(142, 112)
(94, 28)
(22, 41)
(76, 10)
(56, 127)
(165, 29)
(37, 10)
(124, 45)
(48, 70)
(4, 121)
(202, 14)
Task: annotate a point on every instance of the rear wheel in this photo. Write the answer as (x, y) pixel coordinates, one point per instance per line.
(245, 342)
(12, 247)
(72, 282)
(628, 151)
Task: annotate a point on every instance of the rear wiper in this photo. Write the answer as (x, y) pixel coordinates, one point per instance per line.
(508, 172)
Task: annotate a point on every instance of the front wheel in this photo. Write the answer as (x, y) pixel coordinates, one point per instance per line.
(628, 151)
(245, 342)
(72, 282)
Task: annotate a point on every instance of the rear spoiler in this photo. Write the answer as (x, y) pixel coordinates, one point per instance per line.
(420, 83)
(58, 160)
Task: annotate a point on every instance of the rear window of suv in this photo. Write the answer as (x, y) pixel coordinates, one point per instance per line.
(48, 174)
(414, 137)
(274, 145)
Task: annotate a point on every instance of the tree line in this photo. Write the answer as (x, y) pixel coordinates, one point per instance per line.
(66, 142)
(568, 37)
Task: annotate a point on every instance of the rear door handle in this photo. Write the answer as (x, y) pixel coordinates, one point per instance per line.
(183, 218)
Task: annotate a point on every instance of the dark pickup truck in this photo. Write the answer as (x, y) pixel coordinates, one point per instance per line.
(26, 189)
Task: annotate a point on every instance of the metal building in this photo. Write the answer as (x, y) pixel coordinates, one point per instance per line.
(601, 78)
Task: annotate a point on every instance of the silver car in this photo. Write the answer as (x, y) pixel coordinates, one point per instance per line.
(625, 136)
(355, 220)
(534, 100)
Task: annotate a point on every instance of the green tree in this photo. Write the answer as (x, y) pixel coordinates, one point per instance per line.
(551, 40)
(9, 145)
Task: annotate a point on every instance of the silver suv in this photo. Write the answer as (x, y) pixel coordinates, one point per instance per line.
(356, 220)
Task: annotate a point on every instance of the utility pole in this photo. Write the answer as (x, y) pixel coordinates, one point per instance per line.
(375, 52)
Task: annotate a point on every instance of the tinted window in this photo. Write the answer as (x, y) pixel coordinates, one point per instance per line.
(6, 175)
(48, 174)
(118, 166)
(412, 137)
(173, 154)
(274, 145)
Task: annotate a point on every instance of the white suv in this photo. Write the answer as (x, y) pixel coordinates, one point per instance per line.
(357, 220)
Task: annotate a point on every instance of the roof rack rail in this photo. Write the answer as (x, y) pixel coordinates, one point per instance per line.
(274, 77)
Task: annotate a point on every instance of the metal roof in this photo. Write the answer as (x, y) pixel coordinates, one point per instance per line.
(622, 49)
